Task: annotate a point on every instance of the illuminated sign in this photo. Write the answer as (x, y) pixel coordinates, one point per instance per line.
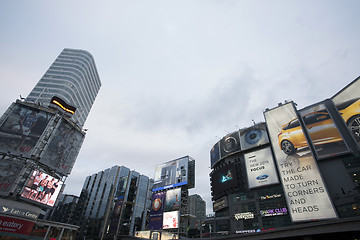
(273, 212)
(245, 215)
(63, 105)
(270, 196)
(226, 177)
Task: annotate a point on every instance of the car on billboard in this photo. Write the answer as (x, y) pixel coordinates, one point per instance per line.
(320, 127)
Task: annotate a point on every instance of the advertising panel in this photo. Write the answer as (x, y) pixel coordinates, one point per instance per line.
(173, 200)
(304, 189)
(215, 154)
(63, 148)
(260, 168)
(220, 204)
(322, 131)
(224, 179)
(253, 137)
(171, 220)
(273, 212)
(156, 211)
(171, 174)
(15, 225)
(9, 171)
(230, 144)
(42, 188)
(22, 129)
(347, 102)
(169, 235)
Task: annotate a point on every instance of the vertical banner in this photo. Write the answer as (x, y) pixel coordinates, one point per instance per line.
(156, 211)
(260, 168)
(305, 191)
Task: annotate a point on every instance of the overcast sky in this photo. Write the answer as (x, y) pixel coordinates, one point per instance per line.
(178, 75)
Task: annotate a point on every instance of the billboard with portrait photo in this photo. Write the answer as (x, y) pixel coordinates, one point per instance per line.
(42, 188)
(22, 128)
(63, 148)
(171, 174)
(347, 102)
(9, 171)
(230, 144)
(304, 188)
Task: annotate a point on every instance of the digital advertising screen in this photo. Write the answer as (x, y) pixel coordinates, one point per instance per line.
(156, 211)
(63, 148)
(215, 154)
(347, 102)
(302, 183)
(223, 179)
(230, 144)
(171, 220)
(42, 188)
(22, 129)
(171, 174)
(142, 234)
(323, 133)
(173, 200)
(253, 136)
(169, 235)
(260, 168)
(9, 171)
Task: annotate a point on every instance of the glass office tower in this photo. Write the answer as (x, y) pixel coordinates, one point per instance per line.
(73, 77)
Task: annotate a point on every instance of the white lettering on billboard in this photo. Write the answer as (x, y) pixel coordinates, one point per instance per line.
(260, 168)
(304, 189)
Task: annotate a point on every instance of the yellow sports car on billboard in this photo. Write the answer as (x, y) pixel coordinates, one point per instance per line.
(320, 127)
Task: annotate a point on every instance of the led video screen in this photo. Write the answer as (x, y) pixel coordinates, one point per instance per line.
(63, 148)
(347, 101)
(224, 179)
(171, 220)
(253, 136)
(304, 188)
(42, 188)
(171, 174)
(323, 133)
(9, 171)
(22, 129)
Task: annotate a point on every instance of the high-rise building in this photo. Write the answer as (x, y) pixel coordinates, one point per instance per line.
(40, 138)
(114, 201)
(197, 210)
(72, 77)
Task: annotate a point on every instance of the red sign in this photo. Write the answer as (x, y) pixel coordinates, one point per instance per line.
(14, 225)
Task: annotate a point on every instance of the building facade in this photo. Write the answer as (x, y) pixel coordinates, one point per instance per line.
(294, 175)
(197, 210)
(72, 77)
(39, 144)
(114, 202)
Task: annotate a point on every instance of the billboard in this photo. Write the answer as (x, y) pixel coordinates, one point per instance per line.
(22, 129)
(9, 171)
(260, 168)
(172, 200)
(171, 174)
(304, 188)
(42, 188)
(142, 234)
(63, 148)
(347, 102)
(254, 136)
(223, 179)
(156, 211)
(322, 131)
(215, 154)
(171, 220)
(220, 203)
(230, 144)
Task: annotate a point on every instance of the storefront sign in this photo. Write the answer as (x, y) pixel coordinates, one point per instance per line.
(14, 225)
(245, 215)
(273, 212)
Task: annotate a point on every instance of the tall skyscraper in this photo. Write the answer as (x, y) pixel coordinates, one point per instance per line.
(73, 77)
(114, 201)
(40, 138)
